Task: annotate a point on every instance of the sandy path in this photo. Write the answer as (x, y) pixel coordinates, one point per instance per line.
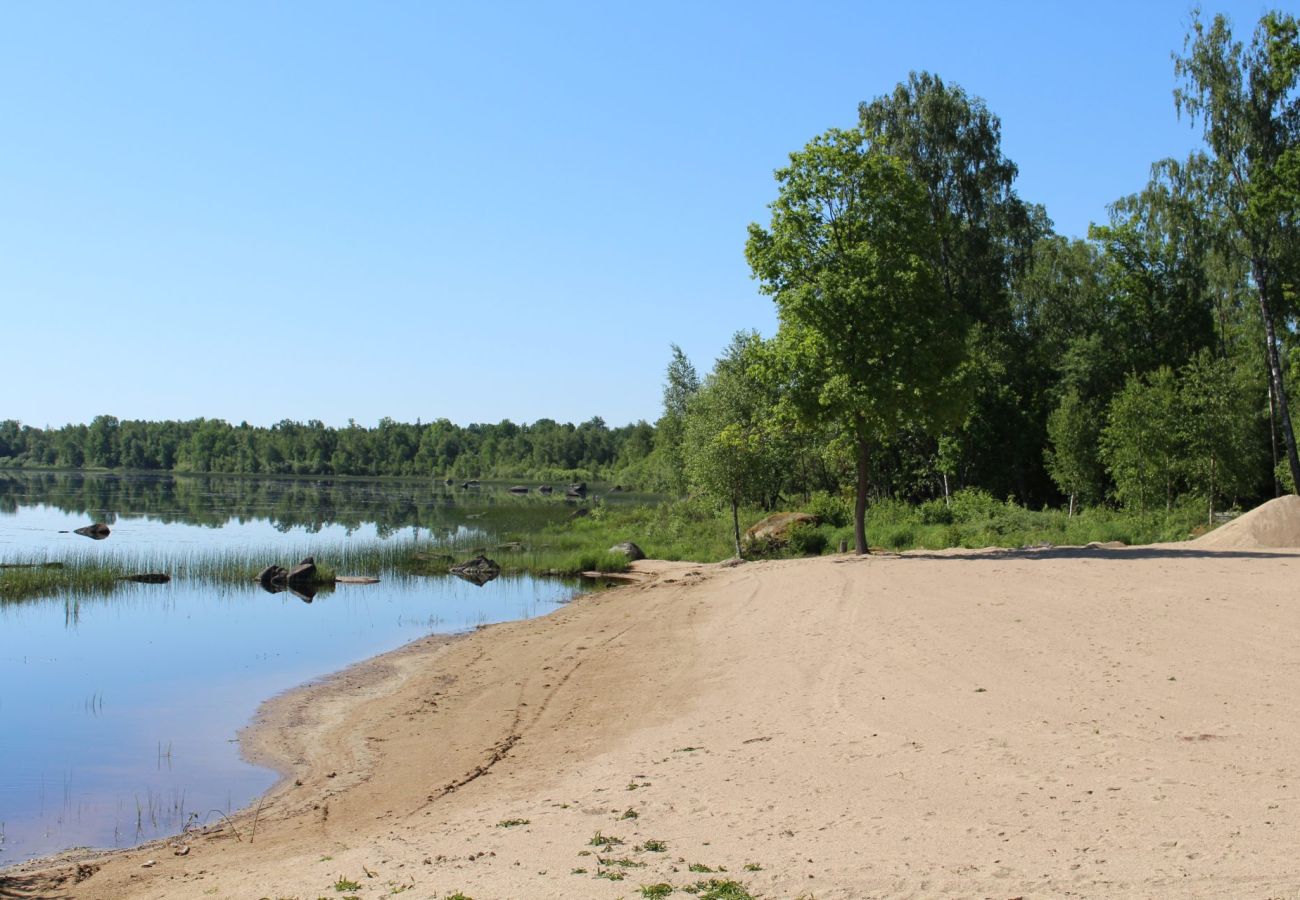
(1085, 723)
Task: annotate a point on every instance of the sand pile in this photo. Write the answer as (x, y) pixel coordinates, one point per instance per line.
(1274, 524)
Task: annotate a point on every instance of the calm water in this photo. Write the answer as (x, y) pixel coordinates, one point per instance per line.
(121, 712)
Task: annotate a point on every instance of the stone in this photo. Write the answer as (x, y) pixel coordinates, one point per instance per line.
(628, 549)
(303, 573)
(272, 575)
(148, 578)
(478, 570)
(98, 531)
(519, 489)
(776, 527)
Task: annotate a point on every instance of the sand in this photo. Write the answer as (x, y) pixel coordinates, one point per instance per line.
(1086, 722)
(1273, 524)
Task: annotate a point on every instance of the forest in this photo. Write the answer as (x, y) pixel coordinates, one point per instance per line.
(936, 334)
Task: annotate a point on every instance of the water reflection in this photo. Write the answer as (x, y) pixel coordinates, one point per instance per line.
(121, 710)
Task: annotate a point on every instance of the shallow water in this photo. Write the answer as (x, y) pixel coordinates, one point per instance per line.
(121, 712)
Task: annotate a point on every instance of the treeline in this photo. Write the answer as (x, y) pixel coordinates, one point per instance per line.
(545, 449)
(936, 334)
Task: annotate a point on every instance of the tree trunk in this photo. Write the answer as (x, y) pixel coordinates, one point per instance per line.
(1275, 374)
(1272, 427)
(735, 525)
(1070, 515)
(860, 501)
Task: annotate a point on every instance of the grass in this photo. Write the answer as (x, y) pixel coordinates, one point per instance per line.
(512, 823)
(678, 530)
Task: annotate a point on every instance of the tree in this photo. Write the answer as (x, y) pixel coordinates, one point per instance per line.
(1248, 101)
(1074, 430)
(1140, 442)
(731, 451)
(1216, 428)
(872, 338)
(680, 385)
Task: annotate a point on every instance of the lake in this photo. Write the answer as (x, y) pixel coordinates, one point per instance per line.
(121, 711)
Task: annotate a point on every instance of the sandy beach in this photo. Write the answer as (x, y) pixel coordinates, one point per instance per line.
(1064, 722)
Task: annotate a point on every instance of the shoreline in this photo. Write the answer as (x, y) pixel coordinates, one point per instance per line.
(1097, 722)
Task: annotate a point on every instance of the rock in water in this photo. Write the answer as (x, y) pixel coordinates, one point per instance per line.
(628, 549)
(272, 575)
(479, 570)
(148, 578)
(303, 573)
(97, 531)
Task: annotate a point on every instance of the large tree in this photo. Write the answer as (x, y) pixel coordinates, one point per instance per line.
(872, 338)
(1248, 101)
(951, 143)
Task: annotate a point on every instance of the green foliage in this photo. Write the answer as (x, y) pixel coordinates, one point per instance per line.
(829, 509)
(1074, 430)
(807, 540)
(733, 453)
(869, 340)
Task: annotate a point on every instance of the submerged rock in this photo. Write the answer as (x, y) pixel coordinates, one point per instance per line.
(148, 578)
(98, 531)
(479, 570)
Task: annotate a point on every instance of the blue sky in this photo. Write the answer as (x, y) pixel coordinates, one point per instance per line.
(258, 211)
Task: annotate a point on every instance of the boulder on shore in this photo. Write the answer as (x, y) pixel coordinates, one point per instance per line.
(776, 527)
(628, 549)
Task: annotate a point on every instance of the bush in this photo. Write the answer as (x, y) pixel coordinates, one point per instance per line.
(808, 540)
(832, 510)
(935, 512)
(973, 505)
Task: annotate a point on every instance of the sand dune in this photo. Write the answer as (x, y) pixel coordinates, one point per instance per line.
(1273, 524)
(1089, 723)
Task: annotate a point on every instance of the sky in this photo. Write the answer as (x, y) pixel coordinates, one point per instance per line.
(262, 211)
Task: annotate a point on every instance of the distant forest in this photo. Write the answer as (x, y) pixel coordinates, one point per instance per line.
(936, 334)
(545, 449)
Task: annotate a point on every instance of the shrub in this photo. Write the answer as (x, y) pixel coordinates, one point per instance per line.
(974, 504)
(808, 540)
(935, 512)
(832, 510)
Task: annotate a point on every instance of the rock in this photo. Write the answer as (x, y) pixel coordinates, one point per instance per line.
(471, 484)
(303, 573)
(519, 489)
(628, 549)
(356, 579)
(776, 527)
(579, 513)
(576, 490)
(479, 570)
(148, 578)
(98, 531)
(272, 575)
(545, 489)
(307, 561)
